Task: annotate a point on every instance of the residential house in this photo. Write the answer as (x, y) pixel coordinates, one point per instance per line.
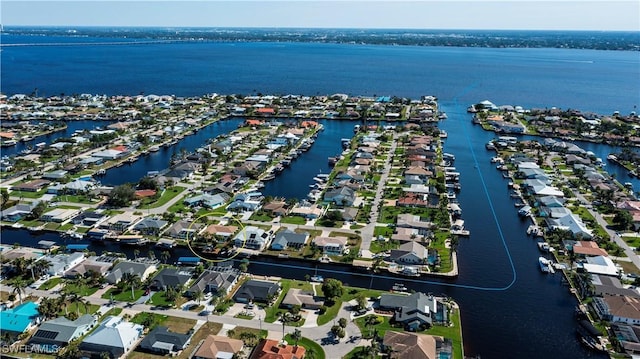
(246, 202)
(343, 196)
(252, 238)
(215, 282)
(59, 215)
(91, 264)
(181, 171)
(607, 285)
(60, 331)
(307, 210)
(409, 253)
(331, 245)
(114, 336)
(142, 270)
(184, 229)
(211, 201)
(415, 311)
(416, 346)
(218, 347)
(616, 308)
(274, 349)
(583, 249)
(287, 239)
(599, 265)
(163, 342)
(277, 208)
(89, 218)
(298, 297)
(219, 230)
(121, 222)
(407, 220)
(61, 263)
(18, 212)
(412, 199)
(74, 187)
(56, 175)
(573, 223)
(349, 214)
(31, 186)
(257, 291)
(151, 226)
(18, 320)
(170, 277)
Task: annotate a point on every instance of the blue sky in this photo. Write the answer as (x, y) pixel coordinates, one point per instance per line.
(424, 14)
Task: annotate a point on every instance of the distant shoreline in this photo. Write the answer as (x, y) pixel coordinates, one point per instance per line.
(594, 40)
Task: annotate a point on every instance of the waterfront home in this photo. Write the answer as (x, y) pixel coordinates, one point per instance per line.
(407, 220)
(247, 168)
(74, 187)
(288, 239)
(343, 196)
(18, 320)
(108, 154)
(614, 308)
(277, 208)
(142, 270)
(219, 230)
(413, 345)
(302, 299)
(206, 200)
(274, 349)
(252, 237)
(331, 245)
(573, 223)
(163, 342)
(121, 222)
(416, 311)
(633, 207)
(218, 347)
(18, 211)
(61, 263)
(56, 175)
(583, 249)
(182, 171)
(216, 282)
(60, 331)
(257, 291)
(114, 336)
(603, 284)
(628, 336)
(409, 253)
(537, 187)
(412, 199)
(174, 278)
(92, 264)
(599, 265)
(184, 229)
(307, 210)
(89, 218)
(151, 226)
(31, 186)
(59, 215)
(406, 235)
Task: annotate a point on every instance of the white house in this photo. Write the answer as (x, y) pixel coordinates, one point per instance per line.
(61, 263)
(59, 215)
(331, 245)
(114, 336)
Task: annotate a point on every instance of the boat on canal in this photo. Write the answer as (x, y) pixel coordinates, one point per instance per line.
(546, 266)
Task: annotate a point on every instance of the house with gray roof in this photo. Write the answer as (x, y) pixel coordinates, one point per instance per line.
(252, 238)
(151, 226)
(114, 336)
(61, 263)
(256, 290)
(161, 341)
(409, 253)
(343, 196)
(17, 212)
(215, 282)
(170, 277)
(142, 270)
(183, 229)
(287, 238)
(208, 200)
(60, 331)
(415, 311)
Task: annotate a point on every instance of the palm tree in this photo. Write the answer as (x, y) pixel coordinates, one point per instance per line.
(296, 336)
(40, 267)
(19, 286)
(136, 253)
(370, 321)
(20, 265)
(310, 353)
(132, 281)
(198, 296)
(151, 254)
(48, 307)
(165, 255)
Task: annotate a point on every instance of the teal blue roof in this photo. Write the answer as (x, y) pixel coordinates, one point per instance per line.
(19, 318)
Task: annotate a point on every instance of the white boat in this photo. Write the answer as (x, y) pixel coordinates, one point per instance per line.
(317, 279)
(544, 264)
(399, 287)
(544, 246)
(154, 149)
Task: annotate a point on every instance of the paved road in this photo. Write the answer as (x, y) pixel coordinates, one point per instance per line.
(368, 230)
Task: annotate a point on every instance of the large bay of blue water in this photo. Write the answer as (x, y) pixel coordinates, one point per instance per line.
(509, 309)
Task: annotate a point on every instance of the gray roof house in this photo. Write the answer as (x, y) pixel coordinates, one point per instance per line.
(151, 226)
(17, 212)
(256, 290)
(415, 311)
(170, 277)
(60, 331)
(214, 282)
(252, 238)
(161, 341)
(61, 263)
(410, 252)
(343, 196)
(140, 269)
(289, 239)
(182, 229)
(114, 336)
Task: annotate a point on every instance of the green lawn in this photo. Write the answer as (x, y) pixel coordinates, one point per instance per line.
(260, 217)
(50, 283)
(307, 344)
(293, 220)
(382, 231)
(75, 199)
(383, 246)
(349, 294)
(158, 298)
(83, 290)
(176, 324)
(80, 308)
(27, 194)
(124, 296)
(166, 196)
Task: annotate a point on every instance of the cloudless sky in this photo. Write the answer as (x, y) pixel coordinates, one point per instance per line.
(425, 14)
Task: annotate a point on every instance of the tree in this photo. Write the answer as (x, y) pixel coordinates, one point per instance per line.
(19, 286)
(165, 255)
(38, 210)
(244, 265)
(198, 296)
(131, 281)
(148, 183)
(332, 288)
(5, 197)
(623, 219)
(342, 322)
(121, 196)
(361, 299)
(310, 353)
(296, 336)
(151, 254)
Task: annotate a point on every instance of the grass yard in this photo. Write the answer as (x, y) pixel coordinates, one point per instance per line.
(249, 336)
(50, 283)
(124, 296)
(293, 220)
(166, 196)
(176, 324)
(79, 308)
(307, 344)
(349, 294)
